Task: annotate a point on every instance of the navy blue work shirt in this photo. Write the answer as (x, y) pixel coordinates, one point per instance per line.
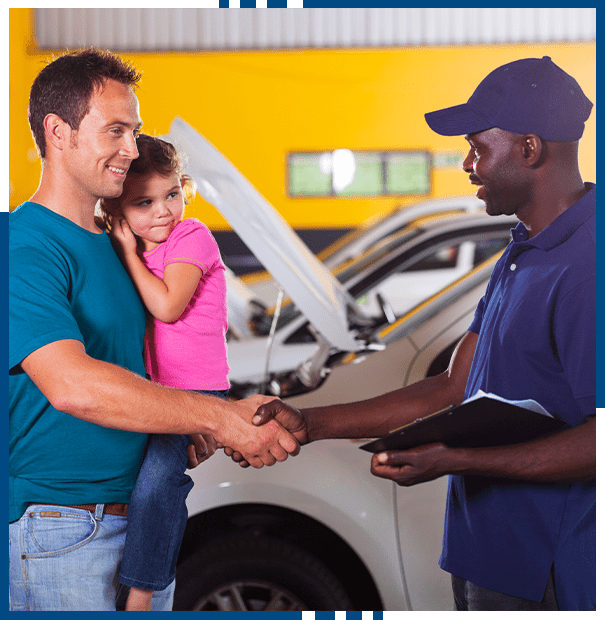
(537, 340)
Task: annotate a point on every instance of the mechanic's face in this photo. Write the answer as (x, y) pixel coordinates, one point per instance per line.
(492, 164)
(101, 149)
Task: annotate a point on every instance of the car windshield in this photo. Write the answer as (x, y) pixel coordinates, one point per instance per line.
(377, 253)
(390, 290)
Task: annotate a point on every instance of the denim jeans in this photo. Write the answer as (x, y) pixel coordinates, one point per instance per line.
(471, 597)
(157, 513)
(67, 559)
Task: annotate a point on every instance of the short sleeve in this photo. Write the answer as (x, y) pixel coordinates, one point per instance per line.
(192, 242)
(575, 337)
(39, 308)
(475, 326)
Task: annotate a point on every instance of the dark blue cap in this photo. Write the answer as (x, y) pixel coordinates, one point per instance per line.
(531, 95)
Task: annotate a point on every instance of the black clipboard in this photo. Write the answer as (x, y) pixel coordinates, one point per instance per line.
(477, 423)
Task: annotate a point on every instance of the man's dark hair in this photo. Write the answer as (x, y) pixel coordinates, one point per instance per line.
(65, 86)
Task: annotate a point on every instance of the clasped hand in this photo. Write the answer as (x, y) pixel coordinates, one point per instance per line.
(201, 448)
(259, 442)
(272, 436)
(405, 467)
(287, 417)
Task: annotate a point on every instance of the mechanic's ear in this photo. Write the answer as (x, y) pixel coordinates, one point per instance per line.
(532, 149)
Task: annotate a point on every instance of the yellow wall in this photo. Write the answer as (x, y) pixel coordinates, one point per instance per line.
(257, 106)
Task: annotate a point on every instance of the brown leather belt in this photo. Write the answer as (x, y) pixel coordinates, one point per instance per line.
(113, 508)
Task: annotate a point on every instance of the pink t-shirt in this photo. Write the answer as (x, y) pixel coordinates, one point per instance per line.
(191, 353)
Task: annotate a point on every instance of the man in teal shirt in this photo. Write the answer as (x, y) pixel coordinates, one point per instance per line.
(80, 406)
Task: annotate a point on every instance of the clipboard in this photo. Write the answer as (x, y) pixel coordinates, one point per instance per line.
(481, 422)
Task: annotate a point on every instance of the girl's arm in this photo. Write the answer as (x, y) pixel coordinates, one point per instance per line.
(166, 298)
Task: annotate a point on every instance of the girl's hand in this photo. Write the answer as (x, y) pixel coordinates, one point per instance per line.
(122, 238)
(200, 450)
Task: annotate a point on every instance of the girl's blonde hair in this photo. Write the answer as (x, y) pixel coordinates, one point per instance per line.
(155, 155)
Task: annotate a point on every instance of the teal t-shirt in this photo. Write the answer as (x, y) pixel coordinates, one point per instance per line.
(66, 283)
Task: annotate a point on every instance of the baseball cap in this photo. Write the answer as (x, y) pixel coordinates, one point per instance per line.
(532, 95)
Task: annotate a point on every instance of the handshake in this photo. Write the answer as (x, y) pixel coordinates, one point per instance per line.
(258, 431)
(261, 430)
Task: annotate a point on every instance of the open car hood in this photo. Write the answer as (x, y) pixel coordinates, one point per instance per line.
(308, 282)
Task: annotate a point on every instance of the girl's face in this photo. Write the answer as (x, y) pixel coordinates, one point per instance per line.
(152, 205)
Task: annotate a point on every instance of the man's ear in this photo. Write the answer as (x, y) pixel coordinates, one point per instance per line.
(532, 149)
(56, 131)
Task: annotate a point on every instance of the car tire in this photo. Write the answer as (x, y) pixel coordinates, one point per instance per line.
(256, 573)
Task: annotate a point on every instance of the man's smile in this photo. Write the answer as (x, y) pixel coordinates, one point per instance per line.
(117, 170)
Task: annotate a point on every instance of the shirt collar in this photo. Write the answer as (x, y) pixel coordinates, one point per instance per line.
(563, 226)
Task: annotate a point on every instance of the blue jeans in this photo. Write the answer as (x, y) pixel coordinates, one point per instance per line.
(157, 514)
(67, 559)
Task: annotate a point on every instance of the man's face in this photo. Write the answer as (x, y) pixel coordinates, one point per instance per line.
(493, 164)
(101, 149)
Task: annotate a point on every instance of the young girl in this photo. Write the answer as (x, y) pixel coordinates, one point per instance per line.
(177, 269)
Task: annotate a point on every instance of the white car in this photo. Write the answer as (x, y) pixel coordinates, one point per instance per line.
(319, 532)
(393, 274)
(455, 244)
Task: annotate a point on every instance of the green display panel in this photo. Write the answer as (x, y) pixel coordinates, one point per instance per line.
(358, 173)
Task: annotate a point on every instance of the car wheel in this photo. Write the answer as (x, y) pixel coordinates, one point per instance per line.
(247, 573)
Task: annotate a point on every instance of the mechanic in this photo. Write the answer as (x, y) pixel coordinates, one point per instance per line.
(79, 405)
(520, 519)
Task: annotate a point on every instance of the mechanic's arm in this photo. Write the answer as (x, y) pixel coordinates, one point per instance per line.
(566, 456)
(380, 415)
(114, 397)
(563, 457)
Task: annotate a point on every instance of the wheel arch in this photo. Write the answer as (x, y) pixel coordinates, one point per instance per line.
(294, 527)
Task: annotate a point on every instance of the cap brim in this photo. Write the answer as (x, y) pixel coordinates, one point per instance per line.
(458, 120)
